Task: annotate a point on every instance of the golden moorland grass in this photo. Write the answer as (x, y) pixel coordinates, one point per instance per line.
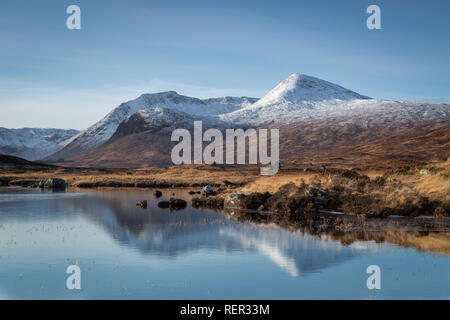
(433, 183)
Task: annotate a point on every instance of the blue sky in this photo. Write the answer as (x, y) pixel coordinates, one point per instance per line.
(54, 77)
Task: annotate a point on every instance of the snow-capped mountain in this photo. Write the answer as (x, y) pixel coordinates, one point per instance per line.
(154, 120)
(100, 132)
(305, 91)
(298, 100)
(33, 143)
(297, 96)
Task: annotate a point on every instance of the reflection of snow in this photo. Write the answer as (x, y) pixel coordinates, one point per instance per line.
(264, 247)
(368, 245)
(168, 235)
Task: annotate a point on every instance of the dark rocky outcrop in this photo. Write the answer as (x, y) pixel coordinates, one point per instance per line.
(163, 204)
(173, 204)
(142, 204)
(52, 183)
(177, 204)
(157, 193)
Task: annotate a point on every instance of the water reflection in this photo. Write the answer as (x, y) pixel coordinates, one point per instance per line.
(172, 233)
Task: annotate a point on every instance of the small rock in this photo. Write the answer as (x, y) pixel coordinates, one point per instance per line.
(142, 204)
(261, 208)
(177, 203)
(424, 172)
(234, 200)
(157, 193)
(207, 190)
(163, 204)
(173, 204)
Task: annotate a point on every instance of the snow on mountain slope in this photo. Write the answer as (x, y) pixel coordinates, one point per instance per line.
(296, 95)
(304, 90)
(154, 120)
(297, 99)
(100, 132)
(33, 143)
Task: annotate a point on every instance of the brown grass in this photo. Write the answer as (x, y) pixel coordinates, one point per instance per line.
(178, 176)
(402, 187)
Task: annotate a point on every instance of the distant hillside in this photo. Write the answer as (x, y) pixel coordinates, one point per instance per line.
(33, 143)
(10, 162)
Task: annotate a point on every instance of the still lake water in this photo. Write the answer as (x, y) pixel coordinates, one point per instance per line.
(125, 252)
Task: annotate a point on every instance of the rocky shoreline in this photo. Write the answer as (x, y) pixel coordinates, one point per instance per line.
(296, 201)
(409, 191)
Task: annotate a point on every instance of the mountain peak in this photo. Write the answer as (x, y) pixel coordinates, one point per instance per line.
(300, 88)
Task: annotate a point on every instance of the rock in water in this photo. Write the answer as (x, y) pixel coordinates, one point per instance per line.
(207, 190)
(142, 204)
(177, 203)
(52, 184)
(157, 193)
(163, 204)
(173, 204)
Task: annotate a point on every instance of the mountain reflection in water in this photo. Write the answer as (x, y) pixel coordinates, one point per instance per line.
(210, 248)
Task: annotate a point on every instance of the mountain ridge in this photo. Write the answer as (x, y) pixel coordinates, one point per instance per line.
(34, 143)
(298, 99)
(101, 131)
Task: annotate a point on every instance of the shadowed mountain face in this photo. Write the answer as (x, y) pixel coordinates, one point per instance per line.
(317, 120)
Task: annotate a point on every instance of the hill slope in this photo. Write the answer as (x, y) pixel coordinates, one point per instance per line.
(33, 143)
(15, 163)
(101, 131)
